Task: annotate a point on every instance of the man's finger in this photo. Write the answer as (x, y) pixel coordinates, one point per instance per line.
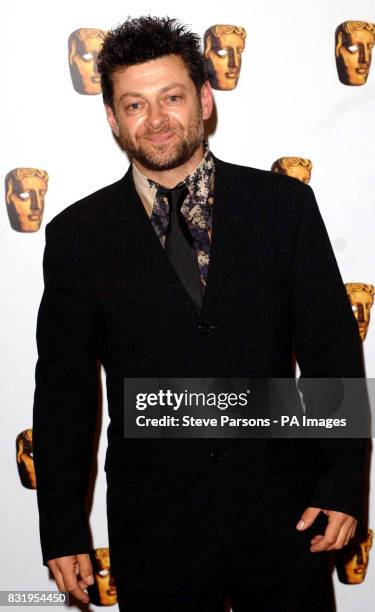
(350, 534)
(66, 566)
(307, 518)
(336, 521)
(354, 529)
(85, 568)
(57, 576)
(342, 537)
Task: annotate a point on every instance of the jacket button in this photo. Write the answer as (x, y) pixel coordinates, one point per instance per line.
(216, 456)
(204, 329)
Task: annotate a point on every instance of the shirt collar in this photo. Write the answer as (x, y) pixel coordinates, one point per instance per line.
(147, 188)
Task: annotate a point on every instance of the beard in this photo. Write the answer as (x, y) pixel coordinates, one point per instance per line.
(164, 157)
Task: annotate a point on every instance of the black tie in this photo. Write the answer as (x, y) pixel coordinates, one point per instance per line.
(179, 244)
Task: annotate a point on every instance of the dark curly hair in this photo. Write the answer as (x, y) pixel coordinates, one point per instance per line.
(147, 38)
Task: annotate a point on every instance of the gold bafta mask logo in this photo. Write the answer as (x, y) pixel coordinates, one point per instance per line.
(25, 461)
(361, 296)
(298, 167)
(84, 46)
(354, 41)
(352, 560)
(223, 48)
(104, 593)
(25, 189)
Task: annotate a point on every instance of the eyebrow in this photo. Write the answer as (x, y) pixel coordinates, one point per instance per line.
(136, 94)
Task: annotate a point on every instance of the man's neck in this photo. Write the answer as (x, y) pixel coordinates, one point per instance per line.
(170, 178)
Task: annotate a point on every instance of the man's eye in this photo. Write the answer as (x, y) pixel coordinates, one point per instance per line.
(353, 48)
(24, 195)
(174, 98)
(222, 52)
(134, 106)
(87, 57)
(103, 573)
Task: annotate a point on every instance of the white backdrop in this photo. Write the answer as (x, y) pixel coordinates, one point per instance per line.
(288, 101)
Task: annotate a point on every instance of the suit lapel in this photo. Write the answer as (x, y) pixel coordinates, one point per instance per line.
(230, 230)
(131, 231)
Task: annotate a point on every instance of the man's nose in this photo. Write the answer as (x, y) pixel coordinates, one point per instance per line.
(155, 116)
(233, 58)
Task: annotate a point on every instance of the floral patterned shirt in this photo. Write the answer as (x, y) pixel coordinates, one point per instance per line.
(196, 208)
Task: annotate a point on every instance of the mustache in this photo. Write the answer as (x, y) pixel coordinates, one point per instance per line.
(166, 130)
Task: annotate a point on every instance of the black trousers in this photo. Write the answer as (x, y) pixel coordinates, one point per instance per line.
(307, 593)
(262, 563)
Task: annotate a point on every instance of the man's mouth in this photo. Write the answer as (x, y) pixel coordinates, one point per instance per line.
(361, 70)
(231, 75)
(34, 217)
(160, 137)
(95, 79)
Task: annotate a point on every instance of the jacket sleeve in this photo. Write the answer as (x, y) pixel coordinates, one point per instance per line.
(65, 405)
(327, 345)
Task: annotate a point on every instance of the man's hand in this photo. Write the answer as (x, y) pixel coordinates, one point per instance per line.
(341, 527)
(73, 573)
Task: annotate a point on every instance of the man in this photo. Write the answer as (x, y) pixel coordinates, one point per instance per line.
(189, 267)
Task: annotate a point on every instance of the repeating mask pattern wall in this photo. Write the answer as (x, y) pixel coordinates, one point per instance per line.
(226, 48)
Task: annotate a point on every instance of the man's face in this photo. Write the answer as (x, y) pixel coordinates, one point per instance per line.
(224, 54)
(103, 577)
(361, 304)
(158, 114)
(356, 563)
(25, 201)
(353, 56)
(84, 47)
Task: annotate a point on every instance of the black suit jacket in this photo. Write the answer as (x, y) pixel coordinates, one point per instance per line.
(176, 506)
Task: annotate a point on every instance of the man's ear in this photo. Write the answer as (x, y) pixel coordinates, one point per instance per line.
(207, 100)
(112, 120)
